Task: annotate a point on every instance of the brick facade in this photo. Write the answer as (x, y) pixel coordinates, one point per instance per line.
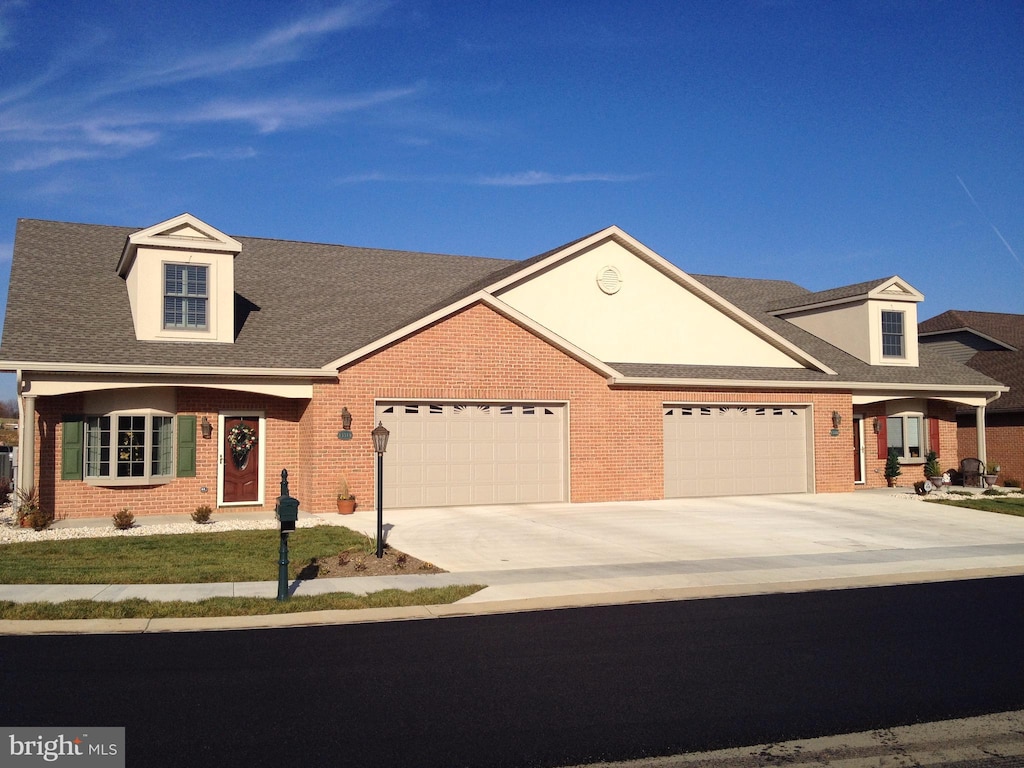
(1004, 442)
(615, 433)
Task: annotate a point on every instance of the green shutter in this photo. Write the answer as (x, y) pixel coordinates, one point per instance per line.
(72, 447)
(186, 446)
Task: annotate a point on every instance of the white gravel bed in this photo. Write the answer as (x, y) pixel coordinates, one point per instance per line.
(10, 534)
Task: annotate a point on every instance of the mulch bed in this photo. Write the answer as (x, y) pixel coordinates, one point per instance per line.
(355, 562)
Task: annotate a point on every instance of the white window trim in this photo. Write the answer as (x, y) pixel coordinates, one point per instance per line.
(209, 332)
(903, 416)
(903, 335)
(113, 480)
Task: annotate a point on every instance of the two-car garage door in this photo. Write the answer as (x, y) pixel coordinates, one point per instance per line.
(447, 454)
(735, 450)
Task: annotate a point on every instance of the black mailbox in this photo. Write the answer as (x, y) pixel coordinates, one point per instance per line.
(287, 508)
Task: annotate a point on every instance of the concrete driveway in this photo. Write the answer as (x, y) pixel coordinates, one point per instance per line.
(871, 536)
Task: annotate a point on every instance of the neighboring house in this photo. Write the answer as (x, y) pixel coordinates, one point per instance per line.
(993, 344)
(173, 366)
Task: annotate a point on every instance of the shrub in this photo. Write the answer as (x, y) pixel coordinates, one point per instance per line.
(1011, 482)
(40, 519)
(202, 514)
(28, 504)
(6, 489)
(992, 492)
(892, 465)
(931, 465)
(123, 519)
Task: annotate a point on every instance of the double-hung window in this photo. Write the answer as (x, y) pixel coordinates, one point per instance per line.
(129, 447)
(186, 296)
(892, 334)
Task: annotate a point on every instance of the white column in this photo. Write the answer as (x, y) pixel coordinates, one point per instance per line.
(27, 443)
(979, 416)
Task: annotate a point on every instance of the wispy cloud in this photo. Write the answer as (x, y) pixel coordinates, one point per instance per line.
(236, 153)
(283, 44)
(536, 178)
(269, 115)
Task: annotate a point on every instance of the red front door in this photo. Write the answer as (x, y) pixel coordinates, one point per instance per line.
(241, 458)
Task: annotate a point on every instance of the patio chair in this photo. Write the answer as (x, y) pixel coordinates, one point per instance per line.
(972, 472)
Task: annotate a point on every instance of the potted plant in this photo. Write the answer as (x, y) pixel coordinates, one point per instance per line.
(346, 501)
(892, 467)
(991, 473)
(932, 469)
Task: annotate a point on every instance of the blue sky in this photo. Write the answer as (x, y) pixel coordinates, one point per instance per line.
(823, 143)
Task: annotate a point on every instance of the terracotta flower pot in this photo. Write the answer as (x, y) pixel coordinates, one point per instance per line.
(346, 506)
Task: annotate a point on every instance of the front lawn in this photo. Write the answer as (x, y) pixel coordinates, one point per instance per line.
(189, 558)
(1004, 506)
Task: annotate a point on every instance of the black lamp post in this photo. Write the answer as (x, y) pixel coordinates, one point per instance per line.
(380, 436)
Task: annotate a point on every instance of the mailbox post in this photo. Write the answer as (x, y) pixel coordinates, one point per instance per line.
(287, 512)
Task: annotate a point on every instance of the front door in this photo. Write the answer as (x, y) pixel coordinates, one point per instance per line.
(858, 449)
(240, 459)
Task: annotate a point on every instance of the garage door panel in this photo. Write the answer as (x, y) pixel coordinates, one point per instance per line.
(458, 453)
(734, 450)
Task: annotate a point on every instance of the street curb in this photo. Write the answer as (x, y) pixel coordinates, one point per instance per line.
(465, 610)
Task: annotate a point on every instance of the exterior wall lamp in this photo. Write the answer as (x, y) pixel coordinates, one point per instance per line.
(876, 426)
(207, 428)
(346, 418)
(837, 419)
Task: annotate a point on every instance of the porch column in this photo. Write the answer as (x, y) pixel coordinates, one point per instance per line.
(27, 443)
(979, 416)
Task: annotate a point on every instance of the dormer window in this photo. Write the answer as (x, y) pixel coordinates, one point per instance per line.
(185, 296)
(892, 334)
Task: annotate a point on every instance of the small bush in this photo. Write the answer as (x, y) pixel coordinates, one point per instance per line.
(6, 489)
(202, 514)
(992, 492)
(28, 505)
(123, 519)
(1012, 482)
(40, 520)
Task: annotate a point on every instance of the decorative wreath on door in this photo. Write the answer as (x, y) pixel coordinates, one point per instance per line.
(242, 439)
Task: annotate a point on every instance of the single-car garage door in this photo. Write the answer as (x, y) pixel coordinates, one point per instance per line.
(446, 454)
(735, 450)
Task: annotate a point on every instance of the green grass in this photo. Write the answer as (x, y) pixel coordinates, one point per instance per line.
(231, 606)
(1014, 506)
(169, 559)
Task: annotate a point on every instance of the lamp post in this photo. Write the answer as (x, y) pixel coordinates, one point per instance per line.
(380, 436)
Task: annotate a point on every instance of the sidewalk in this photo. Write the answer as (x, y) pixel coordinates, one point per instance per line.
(548, 556)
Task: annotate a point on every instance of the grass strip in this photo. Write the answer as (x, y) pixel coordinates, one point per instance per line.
(192, 558)
(232, 606)
(1014, 506)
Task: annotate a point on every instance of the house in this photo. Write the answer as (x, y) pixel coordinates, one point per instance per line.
(172, 366)
(991, 343)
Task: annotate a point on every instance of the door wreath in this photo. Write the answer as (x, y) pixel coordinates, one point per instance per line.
(242, 439)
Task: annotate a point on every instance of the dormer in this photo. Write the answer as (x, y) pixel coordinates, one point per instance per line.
(180, 276)
(874, 321)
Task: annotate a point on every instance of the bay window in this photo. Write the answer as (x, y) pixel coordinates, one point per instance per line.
(129, 448)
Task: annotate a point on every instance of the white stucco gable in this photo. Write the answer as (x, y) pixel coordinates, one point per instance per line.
(619, 301)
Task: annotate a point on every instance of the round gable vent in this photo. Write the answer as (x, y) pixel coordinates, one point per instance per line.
(609, 280)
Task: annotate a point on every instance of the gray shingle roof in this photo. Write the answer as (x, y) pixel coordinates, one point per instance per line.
(1002, 365)
(832, 294)
(313, 303)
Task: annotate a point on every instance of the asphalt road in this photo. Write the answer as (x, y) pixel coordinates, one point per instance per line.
(535, 689)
